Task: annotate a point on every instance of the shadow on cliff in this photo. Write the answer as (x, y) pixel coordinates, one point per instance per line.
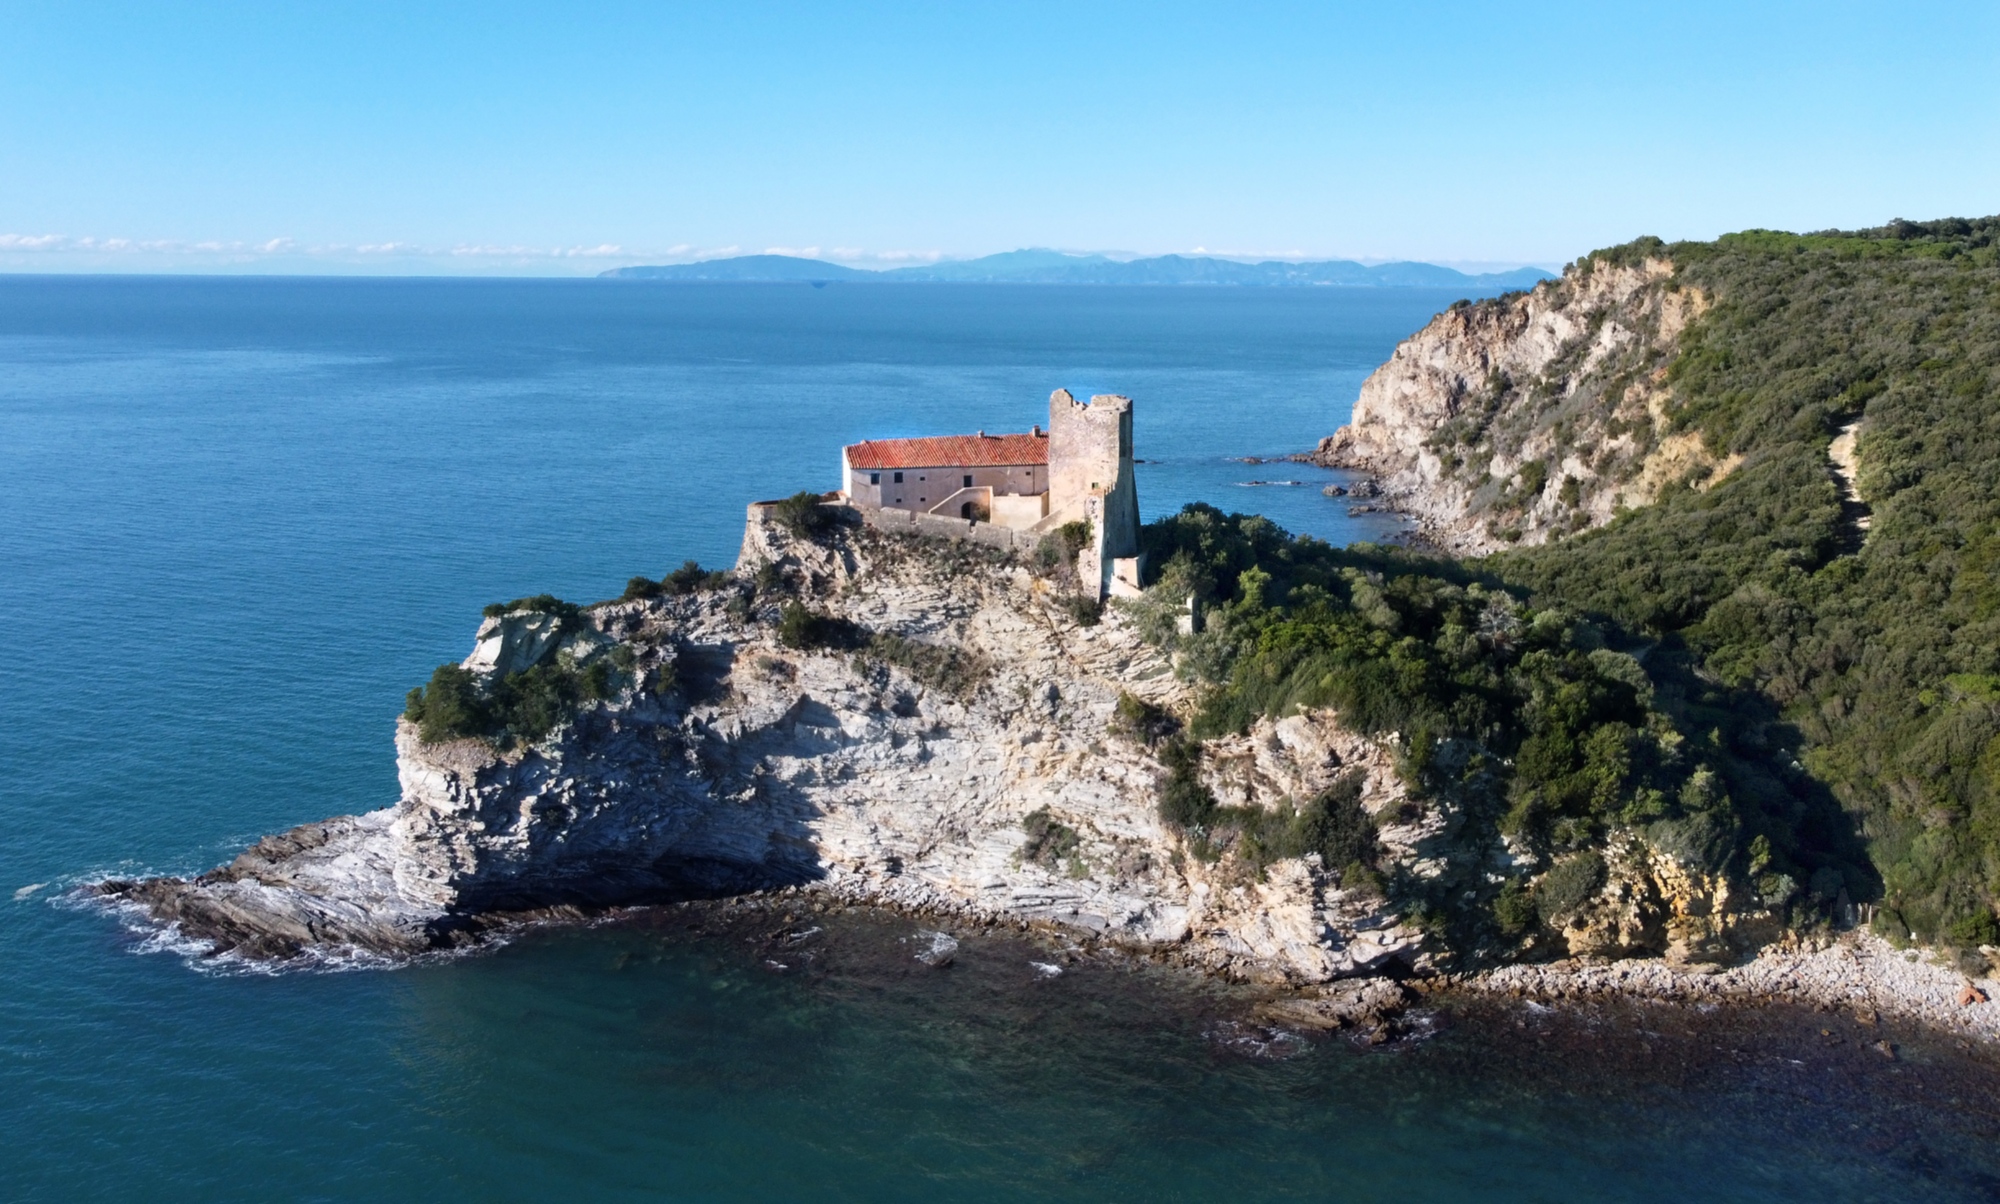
(739, 827)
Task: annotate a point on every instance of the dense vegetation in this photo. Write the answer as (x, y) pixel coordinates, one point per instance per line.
(1817, 713)
(688, 579)
(1533, 721)
(522, 706)
(1881, 667)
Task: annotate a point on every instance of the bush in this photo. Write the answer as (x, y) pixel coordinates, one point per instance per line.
(449, 707)
(956, 671)
(1334, 825)
(1055, 554)
(524, 706)
(1141, 722)
(546, 604)
(534, 702)
(690, 578)
(1514, 907)
(1185, 801)
(1974, 929)
(1051, 843)
(804, 515)
(808, 630)
(1568, 885)
(1083, 611)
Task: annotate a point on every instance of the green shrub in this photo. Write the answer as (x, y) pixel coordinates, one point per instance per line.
(808, 630)
(449, 707)
(804, 514)
(1185, 801)
(691, 578)
(1534, 478)
(956, 671)
(1140, 721)
(1568, 885)
(1083, 611)
(523, 706)
(1974, 929)
(1055, 554)
(546, 604)
(1334, 825)
(1051, 843)
(1514, 907)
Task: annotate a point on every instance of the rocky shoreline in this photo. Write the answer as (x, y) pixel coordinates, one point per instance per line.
(953, 746)
(1854, 971)
(955, 755)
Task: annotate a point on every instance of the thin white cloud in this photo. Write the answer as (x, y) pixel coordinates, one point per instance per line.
(857, 255)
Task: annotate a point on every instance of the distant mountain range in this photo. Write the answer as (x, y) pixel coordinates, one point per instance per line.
(1055, 267)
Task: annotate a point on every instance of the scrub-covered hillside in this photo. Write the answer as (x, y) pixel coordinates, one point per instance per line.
(1763, 472)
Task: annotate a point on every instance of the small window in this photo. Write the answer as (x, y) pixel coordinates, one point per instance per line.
(968, 480)
(899, 478)
(874, 478)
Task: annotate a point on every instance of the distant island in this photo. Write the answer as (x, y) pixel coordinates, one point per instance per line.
(1057, 267)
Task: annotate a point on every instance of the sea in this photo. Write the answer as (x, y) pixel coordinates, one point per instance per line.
(240, 517)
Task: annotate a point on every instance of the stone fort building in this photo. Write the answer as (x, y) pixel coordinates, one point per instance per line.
(1026, 485)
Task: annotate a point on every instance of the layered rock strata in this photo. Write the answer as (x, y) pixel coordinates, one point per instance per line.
(984, 782)
(975, 776)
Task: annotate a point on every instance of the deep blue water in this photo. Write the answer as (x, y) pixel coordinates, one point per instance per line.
(238, 518)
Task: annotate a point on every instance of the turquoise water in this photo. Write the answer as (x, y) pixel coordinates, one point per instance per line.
(238, 518)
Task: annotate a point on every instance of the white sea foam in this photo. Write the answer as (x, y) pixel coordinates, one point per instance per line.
(156, 936)
(29, 889)
(1257, 1040)
(1046, 969)
(936, 948)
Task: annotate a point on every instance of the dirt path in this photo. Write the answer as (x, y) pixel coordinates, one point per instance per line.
(1846, 463)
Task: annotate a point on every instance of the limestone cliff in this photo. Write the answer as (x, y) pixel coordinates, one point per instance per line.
(947, 743)
(1528, 416)
(970, 769)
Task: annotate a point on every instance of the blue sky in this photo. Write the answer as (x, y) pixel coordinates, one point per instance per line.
(564, 139)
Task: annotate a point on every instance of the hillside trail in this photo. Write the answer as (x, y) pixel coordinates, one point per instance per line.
(1854, 514)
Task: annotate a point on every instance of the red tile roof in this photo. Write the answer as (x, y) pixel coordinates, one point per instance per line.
(950, 451)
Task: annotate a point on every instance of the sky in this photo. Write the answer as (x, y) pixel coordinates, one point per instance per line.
(564, 139)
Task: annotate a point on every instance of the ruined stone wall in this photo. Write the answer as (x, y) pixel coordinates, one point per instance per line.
(1090, 476)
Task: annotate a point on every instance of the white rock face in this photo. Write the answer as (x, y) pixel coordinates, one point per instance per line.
(1567, 381)
(756, 764)
(512, 642)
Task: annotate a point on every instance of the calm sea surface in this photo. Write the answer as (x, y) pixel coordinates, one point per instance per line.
(239, 518)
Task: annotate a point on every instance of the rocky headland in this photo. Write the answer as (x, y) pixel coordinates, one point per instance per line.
(952, 747)
(1534, 415)
(1368, 769)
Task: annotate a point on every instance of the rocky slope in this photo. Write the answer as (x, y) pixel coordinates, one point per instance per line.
(955, 753)
(989, 784)
(1531, 415)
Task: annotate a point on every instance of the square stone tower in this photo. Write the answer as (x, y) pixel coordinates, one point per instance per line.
(1090, 477)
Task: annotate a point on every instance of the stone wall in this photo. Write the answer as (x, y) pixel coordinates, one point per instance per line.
(1091, 477)
(885, 518)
